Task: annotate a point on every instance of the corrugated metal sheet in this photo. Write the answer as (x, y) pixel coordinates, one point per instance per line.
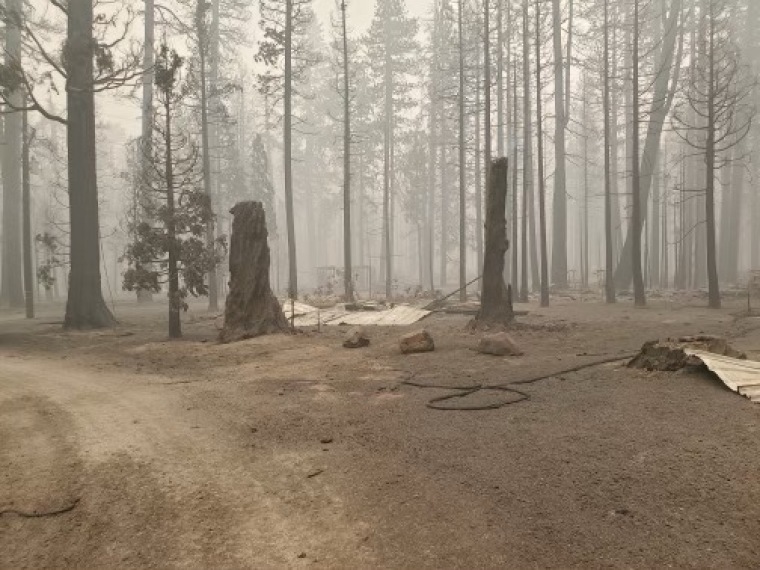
(400, 315)
(742, 376)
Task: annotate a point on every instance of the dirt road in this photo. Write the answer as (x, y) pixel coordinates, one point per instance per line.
(286, 452)
(154, 481)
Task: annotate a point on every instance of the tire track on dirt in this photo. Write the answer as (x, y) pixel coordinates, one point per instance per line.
(161, 483)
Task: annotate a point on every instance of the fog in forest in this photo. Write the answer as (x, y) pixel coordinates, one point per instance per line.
(366, 132)
(379, 283)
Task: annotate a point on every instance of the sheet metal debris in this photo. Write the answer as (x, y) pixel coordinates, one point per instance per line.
(741, 376)
(308, 316)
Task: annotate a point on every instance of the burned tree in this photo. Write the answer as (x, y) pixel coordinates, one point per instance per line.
(496, 304)
(252, 309)
(716, 115)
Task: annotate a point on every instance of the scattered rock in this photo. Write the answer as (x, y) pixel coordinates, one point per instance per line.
(356, 338)
(499, 344)
(419, 341)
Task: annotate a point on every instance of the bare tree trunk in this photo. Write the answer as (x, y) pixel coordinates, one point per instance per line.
(527, 156)
(252, 309)
(712, 265)
(26, 201)
(636, 198)
(86, 307)
(609, 282)
(735, 206)
(496, 305)
(478, 169)
(444, 244)
(487, 86)
(387, 142)
(559, 226)
(288, 148)
(654, 229)
(347, 265)
(11, 286)
(584, 209)
(432, 144)
(213, 293)
(515, 212)
(665, 251)
(175, 302)
(541, 181)
(462, 163)
(146, 134)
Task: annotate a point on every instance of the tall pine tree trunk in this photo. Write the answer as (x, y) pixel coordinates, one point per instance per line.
(541, 181)
(288, 153)
(559, 226)
(85, 307)
(11, 286)
(175, 302)
(609, 245)
(347, 265)
(636, 197)
(710, 160)
(203, 39)
(462, 163)
(527, 226)
(387, 142)
(146, 134)
(26, 202)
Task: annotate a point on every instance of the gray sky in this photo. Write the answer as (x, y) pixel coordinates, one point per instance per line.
(360, 11)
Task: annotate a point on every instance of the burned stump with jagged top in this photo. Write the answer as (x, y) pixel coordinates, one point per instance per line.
(252, 309)
(496, 301)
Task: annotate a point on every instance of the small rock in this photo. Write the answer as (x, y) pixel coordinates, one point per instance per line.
(356, 338)
(499, 344)
(315, 473)
(326, 440)
(419, 341)
(302, 555)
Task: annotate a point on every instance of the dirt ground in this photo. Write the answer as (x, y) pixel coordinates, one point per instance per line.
(290, 451)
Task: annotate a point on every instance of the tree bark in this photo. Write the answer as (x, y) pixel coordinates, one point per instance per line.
(462, 163)
(527, 159)
(11, 285)
(26, 201)
(710, 158)
(559, 227)
(146, 135)
(496, 305)
(609, 245)
(541, 181)
(213, 284)
(515, 213)
(636, 197)
(348, 281)
(387, 158)
(86, 307)
(175, 322)
(288, 151)
(252, 309)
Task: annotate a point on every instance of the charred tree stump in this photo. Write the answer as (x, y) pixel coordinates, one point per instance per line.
(496, 300)
(252, 309)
